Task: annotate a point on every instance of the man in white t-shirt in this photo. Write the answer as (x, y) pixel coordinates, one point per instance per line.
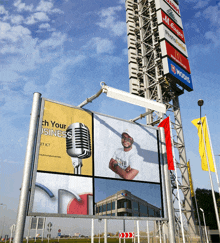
(124, 159)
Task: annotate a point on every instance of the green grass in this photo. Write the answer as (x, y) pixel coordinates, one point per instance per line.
(110, 240)
(96, 240)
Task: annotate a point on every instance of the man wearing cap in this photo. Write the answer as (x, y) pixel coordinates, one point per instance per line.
(124, 158)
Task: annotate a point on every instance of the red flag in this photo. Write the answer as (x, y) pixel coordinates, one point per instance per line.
(166, 125)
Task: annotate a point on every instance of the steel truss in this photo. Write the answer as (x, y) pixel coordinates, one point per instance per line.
(148, 80)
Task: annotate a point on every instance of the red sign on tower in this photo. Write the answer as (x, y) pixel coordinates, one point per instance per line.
(172, 26)
(177, 57)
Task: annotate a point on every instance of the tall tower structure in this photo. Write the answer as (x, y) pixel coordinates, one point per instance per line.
(159, 70)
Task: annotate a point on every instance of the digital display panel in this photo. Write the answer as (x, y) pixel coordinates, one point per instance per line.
(83, 158)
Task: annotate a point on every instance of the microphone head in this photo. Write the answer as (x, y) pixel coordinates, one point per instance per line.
(78, 141)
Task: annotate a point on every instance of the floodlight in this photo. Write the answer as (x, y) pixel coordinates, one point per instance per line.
(200, 102)
(133, 99)
(126, 97)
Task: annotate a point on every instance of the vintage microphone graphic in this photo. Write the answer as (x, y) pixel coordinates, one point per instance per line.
(78, 145)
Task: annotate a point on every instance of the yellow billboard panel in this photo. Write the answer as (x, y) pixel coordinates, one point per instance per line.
(66, 140)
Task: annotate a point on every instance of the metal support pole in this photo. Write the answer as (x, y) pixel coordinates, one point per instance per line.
(135, 228)
(29, 229)
(138, 231)
(168, 189)
(124, 227)
(92, 231)
(159, 222)
(105, 230)
(148, 233)
(25, 188)
(216, 172)
(35, 238)
(163, 230)
(210, 177)
(3, 225)
(43, 230)
(91, 98)
(204, 225)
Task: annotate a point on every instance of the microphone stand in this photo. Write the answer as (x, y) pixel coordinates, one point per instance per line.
(77, 163)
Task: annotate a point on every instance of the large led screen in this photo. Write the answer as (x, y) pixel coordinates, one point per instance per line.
(125, 150)
(84, 158)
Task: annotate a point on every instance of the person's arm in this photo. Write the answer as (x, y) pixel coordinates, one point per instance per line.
(128, 175)
(112, 165)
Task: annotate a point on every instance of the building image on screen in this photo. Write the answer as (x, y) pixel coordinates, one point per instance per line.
(127, 198)
(124, 203)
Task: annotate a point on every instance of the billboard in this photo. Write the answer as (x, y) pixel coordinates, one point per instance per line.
(165, 19)
(144, 161)
(161, 4)
(171, 69)
(59, 124)
(165, 33)
(173, 5)
(79, 151)
(169, 50)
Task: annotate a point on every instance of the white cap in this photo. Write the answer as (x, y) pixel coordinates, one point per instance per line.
(128, 132)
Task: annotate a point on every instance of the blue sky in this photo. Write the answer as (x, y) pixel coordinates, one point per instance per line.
(64, 49)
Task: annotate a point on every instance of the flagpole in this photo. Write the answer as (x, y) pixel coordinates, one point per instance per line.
(197, 210)
(177, 185)
(216, 172)
(210, 176)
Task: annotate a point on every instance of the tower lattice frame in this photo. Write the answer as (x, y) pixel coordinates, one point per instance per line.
(146, 79)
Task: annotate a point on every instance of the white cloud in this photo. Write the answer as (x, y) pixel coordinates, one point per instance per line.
(30, 20)
(213, 14)
(13, 33)
(56, 39)
(198, 14)
(44, 26)
(214, 37)
(125, 51)
(2, 10)
(31, 87)
(108, 21)
(121, 1)
(56, 10)
(59, 83)
(47, 7)
(36, 17)
(192, 26)
(201, 4)
(22, 6)
(13, 100)
(41, 16)
(100, 45)
(8, 76)
(16, 19)
(44, 6)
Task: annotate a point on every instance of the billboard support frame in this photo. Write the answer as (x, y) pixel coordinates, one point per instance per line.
(25, 188)
(168, 189)
(41, 214)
